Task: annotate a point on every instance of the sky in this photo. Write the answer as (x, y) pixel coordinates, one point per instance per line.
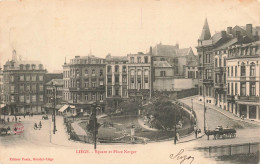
(50, 30)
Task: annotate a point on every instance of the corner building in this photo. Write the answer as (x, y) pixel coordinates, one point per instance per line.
(243, 80)
(84, 83)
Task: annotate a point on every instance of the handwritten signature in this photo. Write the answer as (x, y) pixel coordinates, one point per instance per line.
(180, 157)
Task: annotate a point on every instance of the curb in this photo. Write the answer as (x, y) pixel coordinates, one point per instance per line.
(233, 118)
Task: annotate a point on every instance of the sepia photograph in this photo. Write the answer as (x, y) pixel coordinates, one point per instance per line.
(129, 81)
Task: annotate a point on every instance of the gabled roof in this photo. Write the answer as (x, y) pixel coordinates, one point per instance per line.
(55, 82)
(227, 44)
(184, 51)
(205, 34)
(164, 50)
(161, 64)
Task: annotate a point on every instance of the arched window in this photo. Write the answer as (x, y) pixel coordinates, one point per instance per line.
(243, 69)
(252, 69)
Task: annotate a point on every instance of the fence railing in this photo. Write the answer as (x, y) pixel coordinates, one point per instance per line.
(215, 151)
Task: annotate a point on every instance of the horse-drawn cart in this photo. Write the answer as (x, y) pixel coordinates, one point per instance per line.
(221, 132)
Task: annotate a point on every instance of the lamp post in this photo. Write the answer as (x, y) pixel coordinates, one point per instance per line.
(54, 104)
(191, 108)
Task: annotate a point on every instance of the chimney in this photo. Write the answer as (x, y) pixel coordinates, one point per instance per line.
(229, 30)
(223, 34)
(151, 50)
(177, 45)
(249, 29)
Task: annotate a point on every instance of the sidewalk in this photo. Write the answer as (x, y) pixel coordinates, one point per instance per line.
(78, 129)
(225, 112)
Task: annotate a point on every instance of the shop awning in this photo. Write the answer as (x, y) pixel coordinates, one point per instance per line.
(72, 106)
(62, 109)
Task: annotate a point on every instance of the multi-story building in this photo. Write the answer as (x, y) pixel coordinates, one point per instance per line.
(235, 37)
(207, 48)
(116, 80)
(84, 82)
(163, 76)
(1, 86)
(177, 57)
(243, 80)
(140, 76)
(23, 86)
(53, 95)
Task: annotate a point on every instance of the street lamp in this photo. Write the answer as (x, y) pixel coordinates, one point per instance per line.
(54, 104)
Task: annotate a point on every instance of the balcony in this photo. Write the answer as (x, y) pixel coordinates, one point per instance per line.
(247, 98)
(219, 69)
(252, 78)
(200, 66)
(207, 81)
(231, 98)
(243, 78)
(219, 85)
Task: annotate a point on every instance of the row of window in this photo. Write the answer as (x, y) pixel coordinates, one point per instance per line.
(86, 61)
(27, 98)
(139, 59)
(109, 68)
(232, 71)
(117, 91)
(76, 72)
(116, 77)
(233, 90)
(218, 62)
(28, 67)
(25, 78)
(243, 51)
(88, 97)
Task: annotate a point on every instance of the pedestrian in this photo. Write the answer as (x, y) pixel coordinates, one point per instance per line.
(15, 131)
(32, 114)
(24, 116)
(40, 124)
(7, 119)
(19, 119)
(8, 130)
(13, 119)
(35, 126)
(196, 133)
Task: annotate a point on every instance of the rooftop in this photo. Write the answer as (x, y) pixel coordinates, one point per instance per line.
(161, 64)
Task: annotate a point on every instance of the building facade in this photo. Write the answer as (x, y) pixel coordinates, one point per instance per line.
(243, 80)
(23, 86)
(140, 76)
(211, 49)
(53, 95)
(163, 76)
(84, 82)
(116, 80)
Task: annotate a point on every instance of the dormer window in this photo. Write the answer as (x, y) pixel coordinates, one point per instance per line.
(27, 66)
(33, 67)
(21, 66)
(40, 66)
